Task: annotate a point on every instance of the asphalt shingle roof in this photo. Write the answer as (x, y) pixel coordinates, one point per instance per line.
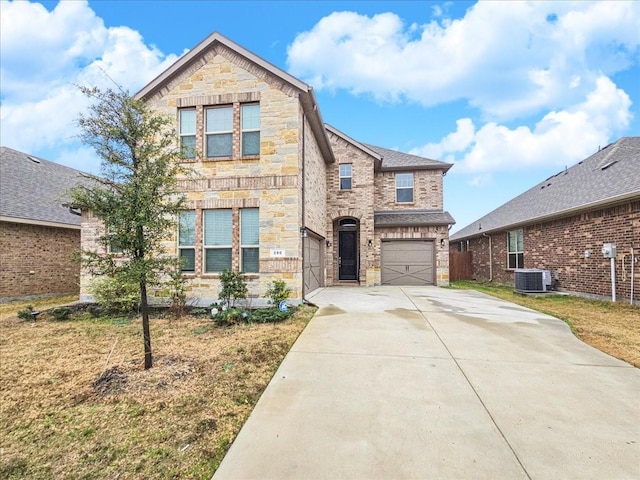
(610, 174)
(394, 160)
(34, 189)
(412, 218)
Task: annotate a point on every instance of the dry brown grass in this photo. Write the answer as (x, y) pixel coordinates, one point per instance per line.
(613, 328)
(77, 403)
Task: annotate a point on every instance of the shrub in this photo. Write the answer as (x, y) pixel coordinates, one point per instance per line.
(177, 285)
(234, 287)
(277, 292)
(116, 295)
(26, 313)
(269, 315)
(61, 313)
(230, 316)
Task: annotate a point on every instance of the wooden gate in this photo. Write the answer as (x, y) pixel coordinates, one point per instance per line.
(460, 266)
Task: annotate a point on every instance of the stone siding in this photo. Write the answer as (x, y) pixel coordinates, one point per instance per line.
(560, 246)
(37, 260)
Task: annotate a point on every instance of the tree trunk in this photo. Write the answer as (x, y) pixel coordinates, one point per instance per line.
(144, 307)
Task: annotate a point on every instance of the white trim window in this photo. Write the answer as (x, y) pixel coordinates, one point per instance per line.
(188, 132)
(404, 187)
(187, 240)
(219, 131)
(515, 249)
(345, 174)
(217, 240)
(250, 131)
(249, 240)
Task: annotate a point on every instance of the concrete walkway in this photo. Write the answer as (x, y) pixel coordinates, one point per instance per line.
(431, 383)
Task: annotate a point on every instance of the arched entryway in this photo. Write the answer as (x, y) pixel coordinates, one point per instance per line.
(348, 256)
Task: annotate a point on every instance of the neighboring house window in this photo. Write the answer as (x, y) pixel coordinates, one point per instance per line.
(249, 240)
(114, 246)
(188, 133)
(404, 187)
(250, 129)
(217, 240)
(345, 176)
(219, 131)
(187, 240)
(515, 247)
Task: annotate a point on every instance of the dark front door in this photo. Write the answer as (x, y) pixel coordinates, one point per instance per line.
(348, 256)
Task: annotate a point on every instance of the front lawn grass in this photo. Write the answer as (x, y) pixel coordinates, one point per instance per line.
(77, 403)
(613, 328)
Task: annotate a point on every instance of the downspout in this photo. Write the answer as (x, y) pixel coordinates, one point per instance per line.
(490, 257)
(633, 260)
(303, 227)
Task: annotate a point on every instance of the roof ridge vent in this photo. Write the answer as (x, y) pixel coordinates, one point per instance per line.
(33, 159)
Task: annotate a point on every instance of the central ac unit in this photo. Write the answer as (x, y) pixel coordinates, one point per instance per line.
(531, 280)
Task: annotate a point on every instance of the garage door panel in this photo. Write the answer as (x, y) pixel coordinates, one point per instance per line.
(313, 267)
(407, 263)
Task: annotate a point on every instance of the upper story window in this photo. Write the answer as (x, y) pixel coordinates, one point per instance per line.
(188, 132)
(345, 176)
(404, 187)
(515, 248)
(250, 129)
(249, 240)
(219, 131)
(187, 240)
(217, 240)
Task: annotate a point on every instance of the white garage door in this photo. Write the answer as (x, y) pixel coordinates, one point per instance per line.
(313, 266)
(407, 262)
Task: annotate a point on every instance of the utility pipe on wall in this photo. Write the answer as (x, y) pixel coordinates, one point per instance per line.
(633, 260)
(490, 257)
(613, 279)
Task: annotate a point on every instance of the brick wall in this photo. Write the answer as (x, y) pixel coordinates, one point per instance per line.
(358, 202)
(560, 246)
(427, 191)
(36, 260)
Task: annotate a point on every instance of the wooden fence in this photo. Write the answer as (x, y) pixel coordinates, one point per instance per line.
(460, 266)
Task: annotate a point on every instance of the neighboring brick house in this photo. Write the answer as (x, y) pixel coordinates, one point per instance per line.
(38, 236)
(562, 223)
(265, 196)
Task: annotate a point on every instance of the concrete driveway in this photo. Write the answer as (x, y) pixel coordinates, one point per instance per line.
(432, 383)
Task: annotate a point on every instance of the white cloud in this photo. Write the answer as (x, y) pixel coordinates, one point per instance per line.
(560, 138)
(509, 59)
(45, 55)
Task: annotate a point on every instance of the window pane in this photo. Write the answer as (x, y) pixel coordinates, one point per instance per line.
(404, 195)
(250, 227)
(187, 228)
(404, 180)
(217, 227)
(188, 259)
(188, 146)
(520, 260)
(219, 119)
(511, 241)
(217, 259)
(219, 145)
(512, 260)
(520, 241)
(345, 170)
(187, 122)
(345, 184)
(251, 143)
(250, 117)
(250, 260)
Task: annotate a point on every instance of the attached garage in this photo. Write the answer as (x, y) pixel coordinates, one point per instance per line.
(408, 262)
(313, 265)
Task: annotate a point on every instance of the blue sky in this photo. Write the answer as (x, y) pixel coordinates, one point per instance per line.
(510, 92)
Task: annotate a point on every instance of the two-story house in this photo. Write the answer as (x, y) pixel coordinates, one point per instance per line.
(278, 195)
